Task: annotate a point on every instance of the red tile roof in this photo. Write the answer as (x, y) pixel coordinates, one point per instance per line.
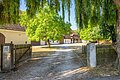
(71, 36)
(67, 37)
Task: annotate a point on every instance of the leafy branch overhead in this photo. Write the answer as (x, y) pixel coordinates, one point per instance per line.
(9, 9)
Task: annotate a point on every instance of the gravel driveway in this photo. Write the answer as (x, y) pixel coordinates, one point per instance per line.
(62, 65)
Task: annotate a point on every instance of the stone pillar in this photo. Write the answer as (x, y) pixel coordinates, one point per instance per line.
(7, 57)
(91, 54)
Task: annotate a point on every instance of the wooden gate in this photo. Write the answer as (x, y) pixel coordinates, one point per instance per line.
(13, 55)
(22, 53)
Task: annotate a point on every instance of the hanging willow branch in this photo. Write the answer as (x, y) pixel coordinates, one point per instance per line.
(1, 10)
(85, 10)
(57, 5)
(76, 11)
(9, 11)
(79, 13)
(32, 6)
(68, 8)
(63, 9)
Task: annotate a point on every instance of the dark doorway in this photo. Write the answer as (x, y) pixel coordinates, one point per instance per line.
(2, 38)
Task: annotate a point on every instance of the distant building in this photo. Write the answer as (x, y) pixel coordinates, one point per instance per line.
(13, 33)
(72, 38)
(67, 39)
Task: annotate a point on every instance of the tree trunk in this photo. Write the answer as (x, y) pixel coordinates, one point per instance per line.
(45, 42)
(118, 39)
(117, 3)
(61, 40)
(48, 43)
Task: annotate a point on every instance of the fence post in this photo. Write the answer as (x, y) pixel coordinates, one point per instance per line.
(91, 54)
(12, 55)
(6, 57)
(30, 51)
(84, 49)
(1, 55)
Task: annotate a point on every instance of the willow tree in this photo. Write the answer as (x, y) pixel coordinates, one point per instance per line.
(9, 11)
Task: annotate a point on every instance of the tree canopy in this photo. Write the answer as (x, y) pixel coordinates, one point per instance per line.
(85, 9)
(98, 12)
(95, 12)
(9, 9)
(91, 33)
(46, 25)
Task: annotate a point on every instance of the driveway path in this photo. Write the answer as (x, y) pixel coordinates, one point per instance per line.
(64, 64)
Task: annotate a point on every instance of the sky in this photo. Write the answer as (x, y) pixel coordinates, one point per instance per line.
(72, 14)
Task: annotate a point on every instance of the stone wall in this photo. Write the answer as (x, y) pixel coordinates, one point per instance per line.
(105, 54)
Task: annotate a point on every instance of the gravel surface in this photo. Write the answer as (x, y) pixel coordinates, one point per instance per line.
(105, 78)
(64, 64)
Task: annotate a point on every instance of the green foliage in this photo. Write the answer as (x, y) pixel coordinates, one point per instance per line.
(46, 25)
(108, 20)
(98, 12)
(9, 11)
(91, 33)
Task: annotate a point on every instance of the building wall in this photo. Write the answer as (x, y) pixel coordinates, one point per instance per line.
(42, 42)
(54, 42)
(17, 37)
(67, 40)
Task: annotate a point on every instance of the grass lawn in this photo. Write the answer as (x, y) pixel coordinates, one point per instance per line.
(42, 51)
